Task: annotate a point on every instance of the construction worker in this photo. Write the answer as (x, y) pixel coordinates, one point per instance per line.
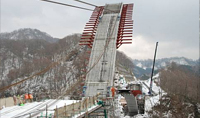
(21, 103)
(100, 102)
(15, 100)
(26, 97)
(18, 99)
(30, 96)
(113, 91)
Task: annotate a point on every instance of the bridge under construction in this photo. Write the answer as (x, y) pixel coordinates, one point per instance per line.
(109, 27)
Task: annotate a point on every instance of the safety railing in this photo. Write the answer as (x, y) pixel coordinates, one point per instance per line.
(76, 108)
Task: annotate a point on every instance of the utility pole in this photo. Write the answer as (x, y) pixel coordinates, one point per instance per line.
(150, 88)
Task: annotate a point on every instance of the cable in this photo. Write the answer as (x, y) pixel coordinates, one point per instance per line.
(77, 6)
(86, 3)
(68, 5)
(92, 5)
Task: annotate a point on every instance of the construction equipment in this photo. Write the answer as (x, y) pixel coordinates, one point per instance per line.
(150, 88)
(135, 100)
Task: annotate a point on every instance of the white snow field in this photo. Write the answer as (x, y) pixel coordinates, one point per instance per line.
(39, 108)
(150, 101)
(35, 108)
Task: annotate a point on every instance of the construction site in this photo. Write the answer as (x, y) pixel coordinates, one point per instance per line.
(107, 89)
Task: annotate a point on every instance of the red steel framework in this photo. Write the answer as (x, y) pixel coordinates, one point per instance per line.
(88, 36)
(125, 26)
(125, 29)
(91, 27)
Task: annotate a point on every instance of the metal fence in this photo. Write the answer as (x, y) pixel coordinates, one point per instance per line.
(69, 111)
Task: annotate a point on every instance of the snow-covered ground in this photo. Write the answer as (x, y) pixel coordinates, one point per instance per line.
(40, 107)
(36, 107)
(150, 101)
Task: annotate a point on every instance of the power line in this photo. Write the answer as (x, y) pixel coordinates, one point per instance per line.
(92, 4)
(86, 3)
(76, 6)
(68, 5)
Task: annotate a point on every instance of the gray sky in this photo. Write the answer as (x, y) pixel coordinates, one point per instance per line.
(173, 23)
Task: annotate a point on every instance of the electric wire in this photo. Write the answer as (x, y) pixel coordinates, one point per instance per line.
(86, 3)
(91, 4)
(67, 5)
(76, 6)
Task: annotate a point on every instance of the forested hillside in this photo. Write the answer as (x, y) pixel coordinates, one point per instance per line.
(23, 58)
(27, 34)
(182, 85)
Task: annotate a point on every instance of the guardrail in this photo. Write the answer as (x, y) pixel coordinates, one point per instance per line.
(76, 108)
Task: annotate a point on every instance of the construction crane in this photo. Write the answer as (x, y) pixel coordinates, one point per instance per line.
(150, 88)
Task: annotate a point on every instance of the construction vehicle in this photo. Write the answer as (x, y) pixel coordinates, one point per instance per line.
(135, 100)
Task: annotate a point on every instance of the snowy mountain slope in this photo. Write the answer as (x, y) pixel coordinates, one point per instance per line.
(164, 62)
(23, 58)
(179, 94)
(27, 34)
(144, 66)
(152, 100)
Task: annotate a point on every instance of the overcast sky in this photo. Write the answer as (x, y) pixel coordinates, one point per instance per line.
(173, 23)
